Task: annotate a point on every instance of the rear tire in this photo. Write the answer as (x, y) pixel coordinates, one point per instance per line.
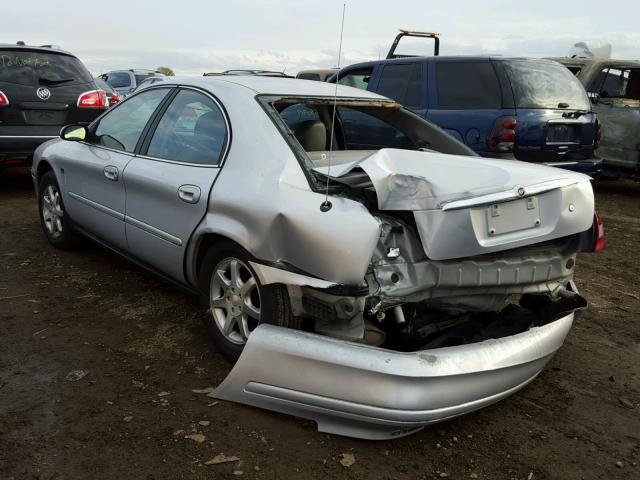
(237, 301)
(55, 221)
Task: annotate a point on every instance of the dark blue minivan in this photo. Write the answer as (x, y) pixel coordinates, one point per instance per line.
(528, 109)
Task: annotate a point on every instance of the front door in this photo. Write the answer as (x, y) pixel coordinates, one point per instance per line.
(95, 193)
(618, 110)
(168, 185)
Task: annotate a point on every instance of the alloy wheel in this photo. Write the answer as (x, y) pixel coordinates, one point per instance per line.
(234, 300)
(52, 212)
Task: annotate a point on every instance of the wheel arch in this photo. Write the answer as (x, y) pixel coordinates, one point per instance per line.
(43, 167)
(201, 245)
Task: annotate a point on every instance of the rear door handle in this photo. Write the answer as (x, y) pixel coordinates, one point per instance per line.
(189, 193)
(111, 173)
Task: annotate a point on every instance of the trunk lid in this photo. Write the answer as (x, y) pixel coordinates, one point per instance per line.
(466, 206)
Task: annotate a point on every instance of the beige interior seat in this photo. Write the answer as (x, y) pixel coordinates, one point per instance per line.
(312, 135)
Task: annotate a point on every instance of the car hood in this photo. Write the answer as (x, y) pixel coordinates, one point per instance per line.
(415, 180)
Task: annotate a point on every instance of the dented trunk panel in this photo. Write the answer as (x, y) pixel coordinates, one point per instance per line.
(508, 203)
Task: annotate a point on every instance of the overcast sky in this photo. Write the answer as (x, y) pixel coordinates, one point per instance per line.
(195, 36)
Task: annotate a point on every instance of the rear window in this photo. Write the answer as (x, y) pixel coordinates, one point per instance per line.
(118, 79)
(26, 67)
(309, 76)
(545, 85)
(468, 85)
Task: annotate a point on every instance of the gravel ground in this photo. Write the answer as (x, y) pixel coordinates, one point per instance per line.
(142, 349)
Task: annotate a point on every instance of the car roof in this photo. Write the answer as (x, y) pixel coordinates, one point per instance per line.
(275, 86)
(446, 58)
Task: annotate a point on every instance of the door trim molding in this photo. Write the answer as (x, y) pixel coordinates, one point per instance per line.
(153, 230)
(97, 206)
(129, 220)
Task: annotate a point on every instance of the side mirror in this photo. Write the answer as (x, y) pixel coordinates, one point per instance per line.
(594, 97)
(74, 133)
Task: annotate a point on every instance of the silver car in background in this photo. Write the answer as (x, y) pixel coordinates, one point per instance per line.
(363, 268)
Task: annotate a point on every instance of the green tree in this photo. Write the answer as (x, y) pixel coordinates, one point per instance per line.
(166, 71)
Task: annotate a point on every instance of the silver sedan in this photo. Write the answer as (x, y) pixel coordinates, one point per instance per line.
(361, 267)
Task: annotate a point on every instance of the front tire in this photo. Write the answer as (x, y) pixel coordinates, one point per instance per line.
(237, 301)
(55, 221)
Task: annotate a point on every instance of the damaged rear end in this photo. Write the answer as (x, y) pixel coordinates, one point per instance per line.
(467, 295)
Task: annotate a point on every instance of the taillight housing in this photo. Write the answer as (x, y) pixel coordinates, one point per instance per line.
(114, 98)
(93, 99)
(598, 233)
(4, 101)
(503, 135)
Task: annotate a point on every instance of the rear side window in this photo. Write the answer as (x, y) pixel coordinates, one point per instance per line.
(545, 85)
(192, 130)
(356, 78)
(402, 83)
(121, 127)
(41, 68)
(467, 85)
(118, 79)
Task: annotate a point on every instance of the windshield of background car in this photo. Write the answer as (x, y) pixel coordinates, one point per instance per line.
(545, 85)
(26, 67)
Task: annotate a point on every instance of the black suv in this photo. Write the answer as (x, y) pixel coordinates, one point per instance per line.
(41, 90)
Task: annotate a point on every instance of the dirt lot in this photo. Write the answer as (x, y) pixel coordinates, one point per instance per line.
(145, 349)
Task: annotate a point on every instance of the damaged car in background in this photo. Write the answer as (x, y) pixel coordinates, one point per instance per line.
(362, 268)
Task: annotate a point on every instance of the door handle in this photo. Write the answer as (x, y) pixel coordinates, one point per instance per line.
(189, 193)
(111, 173)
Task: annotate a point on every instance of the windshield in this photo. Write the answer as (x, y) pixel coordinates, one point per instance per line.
(26, 67)
(545, 85)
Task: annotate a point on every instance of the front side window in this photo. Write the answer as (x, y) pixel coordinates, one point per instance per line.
(468, 85)
(121, 127)
(402, 83)
(192, 130)
(357, 78)
(620, 83)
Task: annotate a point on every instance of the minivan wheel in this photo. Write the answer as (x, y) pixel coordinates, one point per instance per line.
(55, 221)
(237, 301)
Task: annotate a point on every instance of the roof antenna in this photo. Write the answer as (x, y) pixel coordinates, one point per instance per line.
(326, 205)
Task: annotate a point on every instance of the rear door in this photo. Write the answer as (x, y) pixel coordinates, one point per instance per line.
(618, 109)
(465, 99)
(555, 120)
(168, 185)
(93, 170)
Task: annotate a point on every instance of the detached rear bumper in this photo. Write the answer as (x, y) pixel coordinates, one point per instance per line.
(372, 393)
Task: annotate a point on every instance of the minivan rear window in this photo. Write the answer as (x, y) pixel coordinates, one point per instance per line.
(545, 85)
(468, 85)
(33, 68)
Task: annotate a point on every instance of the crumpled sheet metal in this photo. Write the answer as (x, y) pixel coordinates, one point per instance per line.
(372, 393)
(416, 180)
